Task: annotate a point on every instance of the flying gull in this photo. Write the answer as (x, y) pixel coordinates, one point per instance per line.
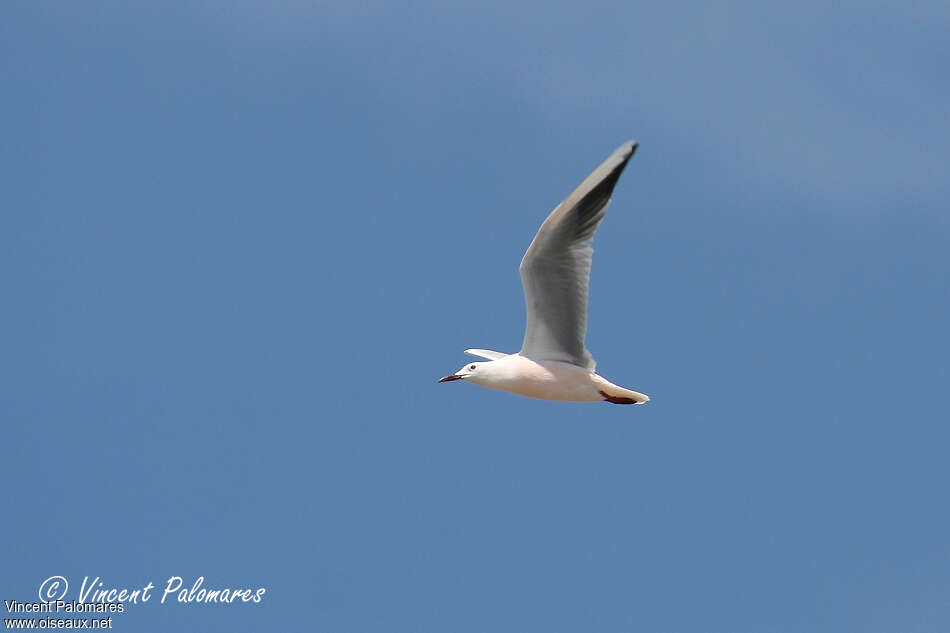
(554, 363)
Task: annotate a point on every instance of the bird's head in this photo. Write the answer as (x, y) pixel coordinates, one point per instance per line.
(465, 373)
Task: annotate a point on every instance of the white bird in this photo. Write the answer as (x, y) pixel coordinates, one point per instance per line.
(554, 363)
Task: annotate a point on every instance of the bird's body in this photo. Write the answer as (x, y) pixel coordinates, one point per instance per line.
(550, 380)
(554, 363)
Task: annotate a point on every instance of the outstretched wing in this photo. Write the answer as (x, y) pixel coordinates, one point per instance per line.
(556, 267)
(486, 353)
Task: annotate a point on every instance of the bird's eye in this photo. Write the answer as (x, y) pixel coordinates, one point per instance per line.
(472, 367)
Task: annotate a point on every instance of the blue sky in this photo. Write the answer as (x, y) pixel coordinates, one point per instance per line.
(243, 240)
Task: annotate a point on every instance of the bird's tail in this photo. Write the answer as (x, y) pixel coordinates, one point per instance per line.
(618, 395)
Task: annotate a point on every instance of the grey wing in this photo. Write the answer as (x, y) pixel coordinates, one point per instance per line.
(555, 269)
(486, 353)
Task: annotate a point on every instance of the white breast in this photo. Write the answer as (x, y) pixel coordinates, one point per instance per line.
(546, 380)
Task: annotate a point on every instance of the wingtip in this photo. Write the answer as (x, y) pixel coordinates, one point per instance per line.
(625, 152)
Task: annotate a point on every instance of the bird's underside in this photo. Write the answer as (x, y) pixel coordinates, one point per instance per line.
(551, 380)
